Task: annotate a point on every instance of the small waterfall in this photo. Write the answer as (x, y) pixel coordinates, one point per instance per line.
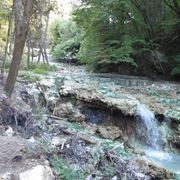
(147, 128)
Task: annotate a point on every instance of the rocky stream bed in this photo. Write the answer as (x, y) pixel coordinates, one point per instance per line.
(78, 125)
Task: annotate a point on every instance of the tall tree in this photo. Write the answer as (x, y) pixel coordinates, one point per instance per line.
(6, 19)
(23, 12)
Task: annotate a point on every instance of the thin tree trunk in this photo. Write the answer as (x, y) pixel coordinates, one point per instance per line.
(7, 43)
(39, 56)
(45, 39)
(29, 54)
(11, 43)
(41, 53)
(32, 53)
(21, 28)
(29, 50)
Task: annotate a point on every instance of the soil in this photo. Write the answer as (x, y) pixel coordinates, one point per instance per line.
(13, 158)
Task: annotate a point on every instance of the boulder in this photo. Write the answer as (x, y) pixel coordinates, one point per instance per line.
(109, 132)
(124, 103)
(67, 110)
(151, 170)
(38, 172)
(51, 104)
(158, 173)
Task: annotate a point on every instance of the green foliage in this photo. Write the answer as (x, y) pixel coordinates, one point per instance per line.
(103, 41)
(123, 32)
(42, 68)
(65, 40)
(62, 169)
(111, 52)
(5, 10)
(27, 76)
(36, 68)
(176, 69)
(40, 71)
(120, 152)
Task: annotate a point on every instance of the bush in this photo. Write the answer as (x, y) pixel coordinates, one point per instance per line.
(65, 40)
(42, 68)
(63, 170)
(176, 70)
(110, 53)
(27, 76)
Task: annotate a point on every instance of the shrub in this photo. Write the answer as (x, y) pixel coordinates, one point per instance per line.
(109, 53)
(176, 69)
(63, 170)
(42, 68)
(27, 76)
(65, 40)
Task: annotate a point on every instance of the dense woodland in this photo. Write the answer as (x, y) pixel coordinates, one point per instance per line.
(134, 37)
(128, 37)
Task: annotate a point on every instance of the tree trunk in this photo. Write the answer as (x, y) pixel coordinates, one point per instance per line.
(32, 53)
(41, 53)
(29, 54)
(7, 43)
(29, 50)
(21, 28)
(45, 39)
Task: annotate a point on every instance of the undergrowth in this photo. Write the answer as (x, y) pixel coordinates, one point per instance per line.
(27, 76)
(42, 68)
(64, 171)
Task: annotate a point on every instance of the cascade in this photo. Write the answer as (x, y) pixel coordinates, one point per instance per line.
(147, 127)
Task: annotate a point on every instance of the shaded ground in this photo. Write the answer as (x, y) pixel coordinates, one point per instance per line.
(13, 157)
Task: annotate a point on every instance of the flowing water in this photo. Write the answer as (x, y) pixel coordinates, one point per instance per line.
(147, 127)
(169, 161)
(149, 134)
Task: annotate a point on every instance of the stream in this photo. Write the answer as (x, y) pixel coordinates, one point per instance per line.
(142, 96)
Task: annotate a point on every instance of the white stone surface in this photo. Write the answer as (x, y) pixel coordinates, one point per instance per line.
(38, 172)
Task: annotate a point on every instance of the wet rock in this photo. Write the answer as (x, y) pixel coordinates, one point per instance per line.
(67, 110)
(51, 104)
(109, 132)
(152, 171)
(125, 103)
(158, 173)
(126, 170)
(176, 142)
(38, 172)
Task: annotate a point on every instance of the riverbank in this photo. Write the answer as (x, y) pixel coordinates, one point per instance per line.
(85, 124)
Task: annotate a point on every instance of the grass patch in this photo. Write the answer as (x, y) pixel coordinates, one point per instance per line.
(40, 71)
(42, 68)
(27, 76)
(63, 171)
